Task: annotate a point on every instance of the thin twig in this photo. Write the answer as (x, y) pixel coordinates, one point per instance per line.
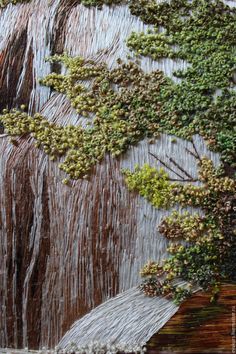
(165, 165)
(196, 154)
(179, 167)
(191, 153)
(3, 135)
(195, 149)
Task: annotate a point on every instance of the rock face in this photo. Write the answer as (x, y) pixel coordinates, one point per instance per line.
(200, 326)
(64, 250)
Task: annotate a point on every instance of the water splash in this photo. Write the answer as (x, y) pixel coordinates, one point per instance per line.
(124, 323)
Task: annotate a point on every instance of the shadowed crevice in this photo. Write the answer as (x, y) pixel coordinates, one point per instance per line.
(20, 215)
(11, 66)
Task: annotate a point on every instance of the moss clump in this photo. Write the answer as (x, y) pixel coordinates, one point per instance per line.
(208, 257)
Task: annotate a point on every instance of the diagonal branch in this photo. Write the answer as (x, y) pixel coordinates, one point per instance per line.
(192, 153)
(195, 149)
(179, 167)
(165, 165)
(196, 154)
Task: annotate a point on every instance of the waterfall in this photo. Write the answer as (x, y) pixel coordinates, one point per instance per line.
(124, 324)
(67, 251)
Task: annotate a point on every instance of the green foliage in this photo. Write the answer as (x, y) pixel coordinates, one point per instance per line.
(203, 33)
(124, 105)
(57, 141)
(188, 227)
(122, 117)
(152, 184)
(209, 254)
(152, 287)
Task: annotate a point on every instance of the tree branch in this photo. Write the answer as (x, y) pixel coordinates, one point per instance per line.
(165, 165)
(179, 167)
(196, 154)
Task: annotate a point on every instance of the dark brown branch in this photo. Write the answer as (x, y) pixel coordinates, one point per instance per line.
(180, 168)
(196, 154)
(191, 153)
(165, 165)
(195, 149)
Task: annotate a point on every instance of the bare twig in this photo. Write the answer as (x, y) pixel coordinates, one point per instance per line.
(196, 154)
(179, 167)
(195, 149)
(191, 153)
(165, 165)
(3, 135)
